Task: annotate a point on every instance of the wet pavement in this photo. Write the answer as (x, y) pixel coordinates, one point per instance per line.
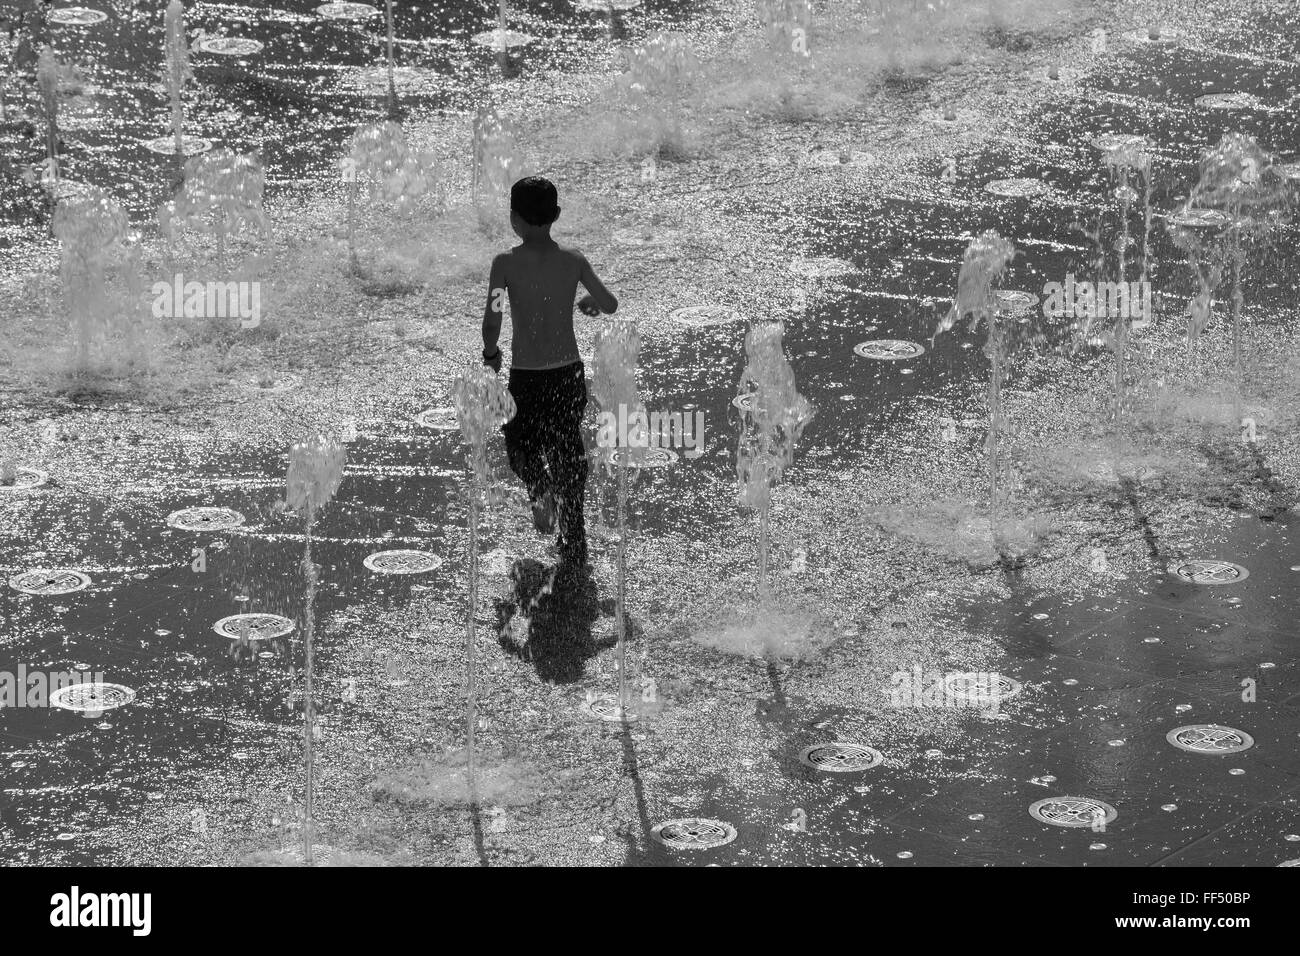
(877, 575)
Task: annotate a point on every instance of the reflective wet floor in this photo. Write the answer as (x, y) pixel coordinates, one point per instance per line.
(1119, 688)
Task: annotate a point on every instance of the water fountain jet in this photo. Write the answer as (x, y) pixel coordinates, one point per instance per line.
(176, 72)
(95, 236)
(483, 405)
(614, 366)
(315, 473)
(771, 422)
(983, 263)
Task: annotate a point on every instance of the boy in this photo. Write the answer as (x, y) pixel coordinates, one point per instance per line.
(544, 439)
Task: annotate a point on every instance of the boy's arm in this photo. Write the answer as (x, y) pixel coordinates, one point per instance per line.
(496, 304)
(602, 297)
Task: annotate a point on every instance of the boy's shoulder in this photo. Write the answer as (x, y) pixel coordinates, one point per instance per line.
(574, 253)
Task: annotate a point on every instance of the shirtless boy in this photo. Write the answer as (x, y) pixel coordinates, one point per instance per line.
(544, 439)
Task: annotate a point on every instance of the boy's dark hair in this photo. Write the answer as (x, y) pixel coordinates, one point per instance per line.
(536, 201)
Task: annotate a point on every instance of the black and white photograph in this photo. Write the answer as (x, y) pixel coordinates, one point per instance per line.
(645, 434)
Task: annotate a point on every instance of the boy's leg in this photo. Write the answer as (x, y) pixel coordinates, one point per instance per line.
(568, 459)
(523, 448)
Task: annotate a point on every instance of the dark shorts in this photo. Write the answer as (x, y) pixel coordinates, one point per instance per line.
(544, 443)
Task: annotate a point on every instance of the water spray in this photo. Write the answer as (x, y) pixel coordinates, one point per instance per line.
(483, 405)
(176, 71)
(614, 365)
(984, 261)
(392, 86)
(315, 473)
(1126, 160)
(772, 417)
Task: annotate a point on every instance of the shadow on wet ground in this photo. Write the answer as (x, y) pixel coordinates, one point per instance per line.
(553, 616)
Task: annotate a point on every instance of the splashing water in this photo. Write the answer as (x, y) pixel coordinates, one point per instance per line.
(95, 236)
(221, 196)
(1124, 161)
(482, 405)
(315, 473)
(984, 261)
(772, 417)
(379, 154)
(1238, 180)
(497, 161)
(614, 366)
(660, 70)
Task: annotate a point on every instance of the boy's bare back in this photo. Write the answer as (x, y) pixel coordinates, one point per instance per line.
(541, 279)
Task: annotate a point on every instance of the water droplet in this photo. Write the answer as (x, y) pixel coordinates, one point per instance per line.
(162, 632)
(1150, 640)
(1182, 707)
(1169, 807)
(1040, 617)
(104, 726)
(1116, 743)
(905, 854)
(1293, 837)
(1097, 846)
(1266, 665)
(976, 816)
(932, 754)
(1069, 682)
(1236, 771)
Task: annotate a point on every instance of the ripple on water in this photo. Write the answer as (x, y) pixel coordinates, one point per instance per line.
(166, 145)
(1232, 101)
(26, 479)
(603, 6)
(1199, 219)
(703, 316)
(500, 41)
(76, 17)
(1114, 142)
(229, 46)
(347, 11)
(889, 350)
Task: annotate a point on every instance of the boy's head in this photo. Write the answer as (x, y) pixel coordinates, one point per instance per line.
(534, 205)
